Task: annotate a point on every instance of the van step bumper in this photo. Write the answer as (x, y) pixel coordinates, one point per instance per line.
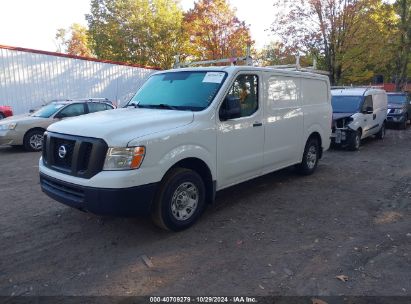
(125, 202)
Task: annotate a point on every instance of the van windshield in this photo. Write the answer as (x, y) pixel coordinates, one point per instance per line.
(190, 90)
(346, 104)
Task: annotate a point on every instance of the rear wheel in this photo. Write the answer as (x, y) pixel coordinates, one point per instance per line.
(33, 141)
(381, 133)
(180, 200)
(310, 157)
(355, 141)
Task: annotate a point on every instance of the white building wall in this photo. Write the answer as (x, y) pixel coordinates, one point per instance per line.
(28, 80)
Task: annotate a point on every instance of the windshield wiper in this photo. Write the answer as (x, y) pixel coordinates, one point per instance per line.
(160, 106)
(135, 105)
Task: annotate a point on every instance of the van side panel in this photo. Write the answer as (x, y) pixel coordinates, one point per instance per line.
(316, 102)
(283, 122)
(380, 109)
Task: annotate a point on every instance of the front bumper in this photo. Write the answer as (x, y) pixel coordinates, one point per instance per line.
(341, 136)
(125, 202)
(7, 137)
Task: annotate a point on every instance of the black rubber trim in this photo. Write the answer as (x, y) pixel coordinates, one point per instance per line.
(124, 202)
(373, 127)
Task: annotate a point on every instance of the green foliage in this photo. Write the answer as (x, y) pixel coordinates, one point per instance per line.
(147, 32)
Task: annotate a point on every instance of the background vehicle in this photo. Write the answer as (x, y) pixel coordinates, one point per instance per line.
(5, 111)
(399, 109)
(357, 114)
(186, 134)
(27, 130)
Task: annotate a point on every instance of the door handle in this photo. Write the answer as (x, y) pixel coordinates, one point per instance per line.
(374, 116)
(257, 124)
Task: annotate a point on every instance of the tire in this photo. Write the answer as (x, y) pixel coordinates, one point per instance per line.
(310, 157)
(33, 141)
(381, 132)
(2, 116)
(403, 125)
(180, 189)
(354, 142)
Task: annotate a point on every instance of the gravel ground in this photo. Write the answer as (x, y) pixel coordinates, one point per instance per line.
(281, 234)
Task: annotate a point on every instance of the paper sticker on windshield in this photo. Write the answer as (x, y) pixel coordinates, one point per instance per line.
(214, 77)
(59, 106)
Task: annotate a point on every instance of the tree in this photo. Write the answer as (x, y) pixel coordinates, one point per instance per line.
(77, 43)
(370, 49)
(403, 9)
(324, 27)
(147, 32)
(214, 31)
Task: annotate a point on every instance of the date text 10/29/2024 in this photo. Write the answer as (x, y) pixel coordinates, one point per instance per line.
(203, 300)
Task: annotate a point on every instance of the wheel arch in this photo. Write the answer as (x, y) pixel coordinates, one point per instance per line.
(34, 129)
(200, 167)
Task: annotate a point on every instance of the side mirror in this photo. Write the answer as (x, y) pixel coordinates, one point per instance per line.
(230, 109)
(32, 111)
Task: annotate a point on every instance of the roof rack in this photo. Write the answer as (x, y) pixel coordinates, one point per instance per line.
(297, 67)
(356, 87)
(233, 61)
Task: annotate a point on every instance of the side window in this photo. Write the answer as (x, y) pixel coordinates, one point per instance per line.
(72, 110)
(367, 103)
(96, 107)
(245, 88)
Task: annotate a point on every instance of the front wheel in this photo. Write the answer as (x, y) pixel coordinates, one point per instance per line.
(381, 132)
(33, 141)
(310, 157)
(403, 125)
(180, 200)
(354, 141)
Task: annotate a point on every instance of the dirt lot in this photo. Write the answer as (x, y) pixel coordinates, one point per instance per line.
(281, 234)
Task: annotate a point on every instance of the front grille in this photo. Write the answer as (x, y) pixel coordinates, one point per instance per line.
(74, 155)
(66, 161)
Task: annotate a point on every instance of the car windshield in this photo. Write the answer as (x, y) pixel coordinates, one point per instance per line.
(179, 90)
(346, 104)
(48, 110)
(397, 99)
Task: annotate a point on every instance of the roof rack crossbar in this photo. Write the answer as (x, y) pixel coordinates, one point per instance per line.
(247, 59)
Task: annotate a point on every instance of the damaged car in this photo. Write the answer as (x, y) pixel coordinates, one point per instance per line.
(357, 113)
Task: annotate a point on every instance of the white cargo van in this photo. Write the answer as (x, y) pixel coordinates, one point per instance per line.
(186, 134)
(358, 113)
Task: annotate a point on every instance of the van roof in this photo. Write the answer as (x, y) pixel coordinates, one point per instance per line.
(355, 91)
(235, 69)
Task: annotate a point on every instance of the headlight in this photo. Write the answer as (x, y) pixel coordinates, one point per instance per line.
(124, 158)
(398, 111)
(10, 126)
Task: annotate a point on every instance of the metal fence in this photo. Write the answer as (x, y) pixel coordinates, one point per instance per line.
(30, 78)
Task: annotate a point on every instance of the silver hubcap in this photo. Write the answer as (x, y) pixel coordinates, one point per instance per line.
(311, 157)
(184, 201)
(36, 141)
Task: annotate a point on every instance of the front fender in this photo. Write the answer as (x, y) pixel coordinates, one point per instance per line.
(188, 151)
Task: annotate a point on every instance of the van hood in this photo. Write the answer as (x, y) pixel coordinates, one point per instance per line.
(341, 115)
(119, 127)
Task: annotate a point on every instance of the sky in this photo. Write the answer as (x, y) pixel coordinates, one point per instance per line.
(33, 23)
